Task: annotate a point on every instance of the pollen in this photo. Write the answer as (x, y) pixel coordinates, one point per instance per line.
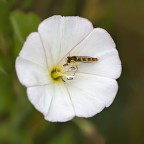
(55, 74)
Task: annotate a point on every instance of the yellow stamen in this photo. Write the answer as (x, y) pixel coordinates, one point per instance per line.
(55, 74)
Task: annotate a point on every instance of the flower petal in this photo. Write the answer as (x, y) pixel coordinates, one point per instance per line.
(99, 44)
(31, 74)
(33, 50)
(61, 108)
(90, 94)
(41, 96)
(61, 34)
(108, 65)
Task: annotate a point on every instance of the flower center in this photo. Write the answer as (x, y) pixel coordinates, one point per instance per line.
(56, 74)
(59, 74)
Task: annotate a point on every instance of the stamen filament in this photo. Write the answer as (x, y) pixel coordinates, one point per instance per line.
(64, 75)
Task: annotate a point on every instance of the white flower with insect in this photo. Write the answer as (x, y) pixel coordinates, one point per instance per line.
(69, 68)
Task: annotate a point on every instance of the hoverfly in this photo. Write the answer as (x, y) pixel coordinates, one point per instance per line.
(74, 59)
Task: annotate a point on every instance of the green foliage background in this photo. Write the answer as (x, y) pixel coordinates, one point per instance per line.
(122, 122)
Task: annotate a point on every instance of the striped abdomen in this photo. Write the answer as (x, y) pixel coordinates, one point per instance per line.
(84, 59)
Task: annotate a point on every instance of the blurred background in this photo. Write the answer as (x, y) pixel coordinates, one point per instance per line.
(122, 122)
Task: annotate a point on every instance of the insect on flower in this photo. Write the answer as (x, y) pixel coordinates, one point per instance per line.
(72, 61)
(69, 68)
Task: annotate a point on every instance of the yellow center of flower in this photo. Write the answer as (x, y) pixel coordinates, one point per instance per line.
(56, 74)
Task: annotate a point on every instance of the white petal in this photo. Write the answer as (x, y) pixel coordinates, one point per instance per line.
(90, 94)
(61, 108)
(31, 74)
(33, 50)
(41, 96)
(108, 65)
(61, 34)
(99, 44)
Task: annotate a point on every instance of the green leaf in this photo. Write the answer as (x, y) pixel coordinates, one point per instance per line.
(23, 24)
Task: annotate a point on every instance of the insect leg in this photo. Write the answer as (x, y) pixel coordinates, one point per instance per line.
(76, 68)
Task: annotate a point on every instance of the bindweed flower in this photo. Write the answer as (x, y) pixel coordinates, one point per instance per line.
(69, 68)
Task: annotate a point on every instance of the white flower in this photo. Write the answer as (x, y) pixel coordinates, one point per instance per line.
(40, 68)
